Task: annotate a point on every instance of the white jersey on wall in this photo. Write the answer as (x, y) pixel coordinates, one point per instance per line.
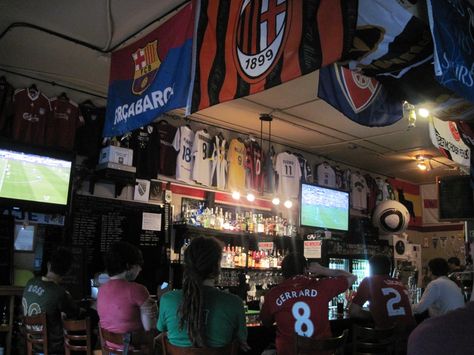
(326, 175)
(288, 169)
(219, 163)
(183, 144)
(202, 153)
(359, 191)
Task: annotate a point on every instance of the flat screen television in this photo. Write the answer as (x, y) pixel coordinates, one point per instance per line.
(455, 199)
(323, 207)
(34, 179)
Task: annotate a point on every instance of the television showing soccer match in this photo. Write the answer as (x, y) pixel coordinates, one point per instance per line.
(323, 207)
(35, 178)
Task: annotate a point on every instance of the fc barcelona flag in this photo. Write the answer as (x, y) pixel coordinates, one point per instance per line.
(150, 76)
(246, 46)
(361, 98)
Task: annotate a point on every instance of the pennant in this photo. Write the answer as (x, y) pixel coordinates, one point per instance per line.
(454, 42)
(389, 39)
(244, 47)
(150, 76)
(445, 136)
(362, 99)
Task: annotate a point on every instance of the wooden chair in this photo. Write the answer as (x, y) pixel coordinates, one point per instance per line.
(36, 333)
(309, 346)
(371, 341)
(139, 343)
(169, 349)
(77, 336)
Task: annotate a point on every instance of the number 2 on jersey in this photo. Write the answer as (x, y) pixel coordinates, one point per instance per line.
(392, 308)
(303, 325)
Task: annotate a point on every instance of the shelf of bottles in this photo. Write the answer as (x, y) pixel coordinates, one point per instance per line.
(338, 264)
(224, 219)
(360, 268)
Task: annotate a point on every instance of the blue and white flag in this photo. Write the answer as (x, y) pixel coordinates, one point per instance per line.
(452, 29)
(150, 76)
(362, 99)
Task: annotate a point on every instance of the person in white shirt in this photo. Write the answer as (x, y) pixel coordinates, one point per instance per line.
(441, 295)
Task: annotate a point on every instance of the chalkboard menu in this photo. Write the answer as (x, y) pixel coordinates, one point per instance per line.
(99, 222)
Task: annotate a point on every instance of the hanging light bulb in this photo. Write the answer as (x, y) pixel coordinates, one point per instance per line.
(288, 204)
(236, 195)
(276, 201)
(422, 165)
(250, 197)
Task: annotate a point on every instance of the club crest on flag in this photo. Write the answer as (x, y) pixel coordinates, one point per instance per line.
(260, 36)
(359, 90)
(146, 64)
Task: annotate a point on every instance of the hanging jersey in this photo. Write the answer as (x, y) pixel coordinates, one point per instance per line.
(254, 168)
(371, 192)
(32, 112)
(269, 172)
(300, 305)
(61, 127)
(219, 163)
(288, 169)
(145, 143)
(359, 192)
(306, 172)
(202, 153)
(236, 159)
(168, 154)
(326, 175)
(388, 299)
(6, 108)
(183, 143)
(346, 180)
(339, 177)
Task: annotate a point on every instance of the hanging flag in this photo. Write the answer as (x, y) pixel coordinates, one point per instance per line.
(244, 47)
(452, 28)
(150, 76)
(362, 99)
(445, 136)
(389, 39)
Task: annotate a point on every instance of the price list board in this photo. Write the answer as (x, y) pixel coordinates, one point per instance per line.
(99, 222)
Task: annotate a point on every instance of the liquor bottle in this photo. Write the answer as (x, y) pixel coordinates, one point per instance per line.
(249, 222)
(212, 219)
(260, 224)
(243, 258)
(237, 257)
(224, 257)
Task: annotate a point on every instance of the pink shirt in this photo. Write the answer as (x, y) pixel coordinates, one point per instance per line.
(118, 305)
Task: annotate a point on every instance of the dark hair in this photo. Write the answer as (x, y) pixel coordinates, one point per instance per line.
(380, 265)
(121, 256)
(454, 260)
(293, 264)
(438, 267)
(60, 261)
(201, 261)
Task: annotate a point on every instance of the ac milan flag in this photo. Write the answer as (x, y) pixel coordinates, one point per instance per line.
(150, 76)
(244, 47)
(362, 99)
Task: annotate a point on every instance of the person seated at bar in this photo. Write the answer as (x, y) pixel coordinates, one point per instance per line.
(447, 334)
(388, 299)
(123, 305)
(441, 294)
(200, 315)
(300, 303)
(45, 295)
(454, 264)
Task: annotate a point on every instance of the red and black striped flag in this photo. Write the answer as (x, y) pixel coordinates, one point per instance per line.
(246, 46)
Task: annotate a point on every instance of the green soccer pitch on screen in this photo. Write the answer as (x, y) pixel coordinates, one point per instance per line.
(323, 207)
(35, 178)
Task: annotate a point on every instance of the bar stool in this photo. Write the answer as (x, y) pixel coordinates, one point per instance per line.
(120, 340)
(309, 346)
(77, 336)
(169, 349)
(36, 332)
(371, 341)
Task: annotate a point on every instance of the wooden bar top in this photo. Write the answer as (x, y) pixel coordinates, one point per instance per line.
(11, 290)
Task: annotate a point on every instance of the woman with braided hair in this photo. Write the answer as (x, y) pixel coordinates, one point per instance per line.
(200, 315)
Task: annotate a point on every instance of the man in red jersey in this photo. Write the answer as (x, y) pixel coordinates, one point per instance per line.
(299, 305)
(388, 299)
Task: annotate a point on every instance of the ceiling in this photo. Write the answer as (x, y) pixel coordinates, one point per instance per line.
(301, 120)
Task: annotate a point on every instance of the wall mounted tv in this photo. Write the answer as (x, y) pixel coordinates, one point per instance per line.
(323, 207)
(455, 198)
(34, 179)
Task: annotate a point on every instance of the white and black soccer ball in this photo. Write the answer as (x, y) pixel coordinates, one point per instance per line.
(390, 217)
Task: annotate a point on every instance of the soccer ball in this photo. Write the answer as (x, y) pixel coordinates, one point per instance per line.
(390, 217)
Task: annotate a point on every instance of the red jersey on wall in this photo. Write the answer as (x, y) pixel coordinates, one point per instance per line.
(300, 305)
(253, 166)
(32, 112)
(388, 301)
(65, 119)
